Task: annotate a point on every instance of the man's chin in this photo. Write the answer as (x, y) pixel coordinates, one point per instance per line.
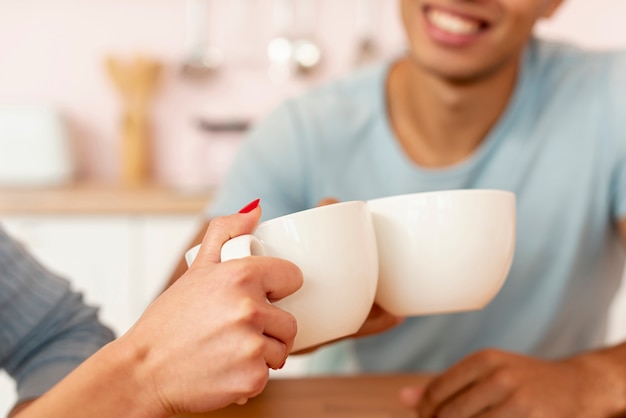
(456, 72)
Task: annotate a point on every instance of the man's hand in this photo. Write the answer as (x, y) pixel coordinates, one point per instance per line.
(493, 384)
(378, 321)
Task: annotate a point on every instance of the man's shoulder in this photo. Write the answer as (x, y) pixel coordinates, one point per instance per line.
(558, 71)
(560, 56)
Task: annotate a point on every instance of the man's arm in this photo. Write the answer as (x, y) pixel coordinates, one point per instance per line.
(591, 384)
(622, 230)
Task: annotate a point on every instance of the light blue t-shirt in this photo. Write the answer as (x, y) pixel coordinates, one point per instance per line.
(560, 147)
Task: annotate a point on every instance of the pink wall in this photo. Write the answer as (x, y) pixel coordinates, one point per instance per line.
(592, 23)
(52, 52)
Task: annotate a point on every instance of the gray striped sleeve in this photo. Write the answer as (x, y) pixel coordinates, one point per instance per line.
(46, 330)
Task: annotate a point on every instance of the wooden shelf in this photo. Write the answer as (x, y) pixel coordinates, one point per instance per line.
(93, 198)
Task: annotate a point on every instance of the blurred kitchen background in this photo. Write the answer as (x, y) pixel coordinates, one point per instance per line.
(54, 56)
(57, 54)
(118, 118)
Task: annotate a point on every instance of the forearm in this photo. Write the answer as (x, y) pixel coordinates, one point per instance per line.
(109, 384)
(19, 407)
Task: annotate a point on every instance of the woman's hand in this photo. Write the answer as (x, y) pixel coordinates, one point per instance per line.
(210, 338)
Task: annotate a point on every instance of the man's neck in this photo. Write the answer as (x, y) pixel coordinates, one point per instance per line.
(439, 122)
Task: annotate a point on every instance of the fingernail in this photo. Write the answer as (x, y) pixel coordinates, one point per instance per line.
(250, 206)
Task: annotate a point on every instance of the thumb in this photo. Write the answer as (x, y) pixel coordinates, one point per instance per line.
(223, 228)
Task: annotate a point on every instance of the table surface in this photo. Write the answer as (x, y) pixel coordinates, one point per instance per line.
(364, 396)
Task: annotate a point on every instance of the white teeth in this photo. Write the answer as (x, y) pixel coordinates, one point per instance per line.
(452, 23)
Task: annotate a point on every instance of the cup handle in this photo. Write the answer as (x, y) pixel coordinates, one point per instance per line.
(238, 247)
(241, 246)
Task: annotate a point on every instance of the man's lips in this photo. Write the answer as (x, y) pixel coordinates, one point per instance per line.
(454, 24)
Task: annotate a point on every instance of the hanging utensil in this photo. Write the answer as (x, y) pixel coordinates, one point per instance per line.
(307, 54)
(294, 49)
(203, 59)
(280, 47)
(368, 50)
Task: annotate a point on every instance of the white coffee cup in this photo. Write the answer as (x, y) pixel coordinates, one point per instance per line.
(443, 251)
(335, 247)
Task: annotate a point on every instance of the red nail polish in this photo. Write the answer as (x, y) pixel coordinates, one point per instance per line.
(250, 206)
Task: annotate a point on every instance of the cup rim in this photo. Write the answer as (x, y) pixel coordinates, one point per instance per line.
(444, 192)
(316, 208)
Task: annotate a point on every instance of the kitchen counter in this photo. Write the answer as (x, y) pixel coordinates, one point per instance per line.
(95, 198)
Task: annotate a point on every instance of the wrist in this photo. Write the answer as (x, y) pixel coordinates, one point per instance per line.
(128, 363)
(604, 375)
(105, 385)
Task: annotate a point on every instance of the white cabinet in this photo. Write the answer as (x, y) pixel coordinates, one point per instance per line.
(119, 262)
(93, 253)
(163, 242)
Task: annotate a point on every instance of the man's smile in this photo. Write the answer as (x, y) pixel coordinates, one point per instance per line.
(453, 23)
(452, 28)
